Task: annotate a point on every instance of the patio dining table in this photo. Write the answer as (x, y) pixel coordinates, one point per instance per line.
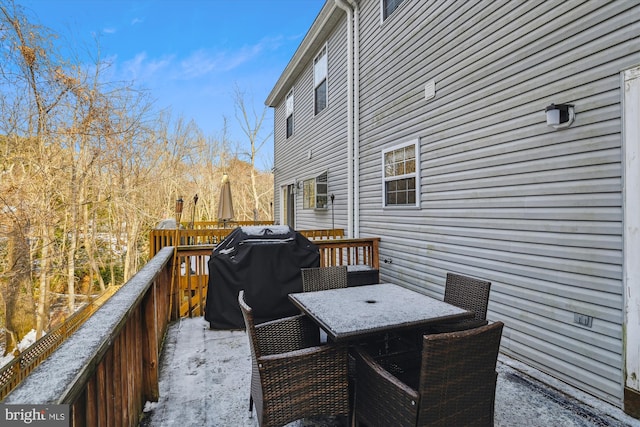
(349, 314)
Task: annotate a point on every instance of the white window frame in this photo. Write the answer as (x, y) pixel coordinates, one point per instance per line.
(402, 176)
(382, 8)
(322, 191)
(319, 186)
(320, 75)
(289, 114)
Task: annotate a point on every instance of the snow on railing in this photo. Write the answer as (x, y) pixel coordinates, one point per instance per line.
(108, 368)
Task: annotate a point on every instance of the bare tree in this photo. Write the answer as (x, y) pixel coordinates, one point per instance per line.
(251, 123)
(27, 70)
(88, 167)
(16, 286)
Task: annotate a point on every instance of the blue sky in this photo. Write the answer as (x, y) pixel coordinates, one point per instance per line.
(189, 53)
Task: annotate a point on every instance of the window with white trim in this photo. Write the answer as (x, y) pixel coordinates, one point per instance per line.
(320, 70)
(289, 114)
(389, 6)
(314, 192)
(401, 180)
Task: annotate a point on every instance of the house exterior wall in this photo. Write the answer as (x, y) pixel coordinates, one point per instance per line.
(325, 134)
(504, 197)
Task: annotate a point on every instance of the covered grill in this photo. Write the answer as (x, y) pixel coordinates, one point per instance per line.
(265, 261)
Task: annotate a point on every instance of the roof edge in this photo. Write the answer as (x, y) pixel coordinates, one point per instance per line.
(326, 20)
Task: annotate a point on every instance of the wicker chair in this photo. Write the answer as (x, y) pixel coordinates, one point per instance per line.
(323, 278)
(292, 377)
(468, 293)
(450, 382)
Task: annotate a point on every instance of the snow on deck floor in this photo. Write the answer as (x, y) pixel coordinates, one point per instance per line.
(204, 381)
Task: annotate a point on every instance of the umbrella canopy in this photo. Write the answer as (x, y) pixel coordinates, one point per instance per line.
(225, 204)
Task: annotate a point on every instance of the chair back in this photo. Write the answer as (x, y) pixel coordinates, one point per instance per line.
(257, 394)
(324, 278)
(468, 293)
(247, 314)
(292, 377)
(458, 377)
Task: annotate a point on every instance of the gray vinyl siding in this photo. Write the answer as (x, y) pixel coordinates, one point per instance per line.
(324, 134)
(536, 211)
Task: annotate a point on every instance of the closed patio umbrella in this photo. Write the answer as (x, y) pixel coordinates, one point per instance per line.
(225, 204)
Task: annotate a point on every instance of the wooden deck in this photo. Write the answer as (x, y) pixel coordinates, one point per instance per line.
(210, 388)
(108, 368)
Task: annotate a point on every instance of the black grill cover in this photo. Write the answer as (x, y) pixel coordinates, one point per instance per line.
(265, 261)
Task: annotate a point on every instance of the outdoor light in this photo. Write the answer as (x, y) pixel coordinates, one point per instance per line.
(333, 218)
(560, 116)
(179, 204)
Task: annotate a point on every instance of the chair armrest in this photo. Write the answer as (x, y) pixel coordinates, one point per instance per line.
(321, 367)
(382, 396)
(287, 334)
(385, 376)
(305, 354)
(456, 326)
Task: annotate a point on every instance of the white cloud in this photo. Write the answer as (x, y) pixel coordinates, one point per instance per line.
(204, 62)
(141, 68)
(199, 63)
(136, 21)
(109, 30)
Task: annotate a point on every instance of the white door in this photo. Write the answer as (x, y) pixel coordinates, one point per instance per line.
(287, 207)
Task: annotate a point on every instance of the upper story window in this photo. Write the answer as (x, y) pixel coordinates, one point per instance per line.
(289, 114)
(314, 192)
(320, 69)
(388, 6)
(401, 180)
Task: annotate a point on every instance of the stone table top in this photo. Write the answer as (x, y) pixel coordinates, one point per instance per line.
(360, 311)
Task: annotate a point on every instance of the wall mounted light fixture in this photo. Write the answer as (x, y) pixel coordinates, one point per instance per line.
(179, 206)
(560, 116)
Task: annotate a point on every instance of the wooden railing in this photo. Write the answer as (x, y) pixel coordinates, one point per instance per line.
(159, 239)
(191, 277)
(200, 235)
(223, 224)
(323, 234)
(15, 371)
(108, 368)
(350, 252)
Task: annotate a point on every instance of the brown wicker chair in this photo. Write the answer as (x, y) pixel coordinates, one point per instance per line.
(292, 377)
(451, 382)
(323, 278)
(468, 293)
